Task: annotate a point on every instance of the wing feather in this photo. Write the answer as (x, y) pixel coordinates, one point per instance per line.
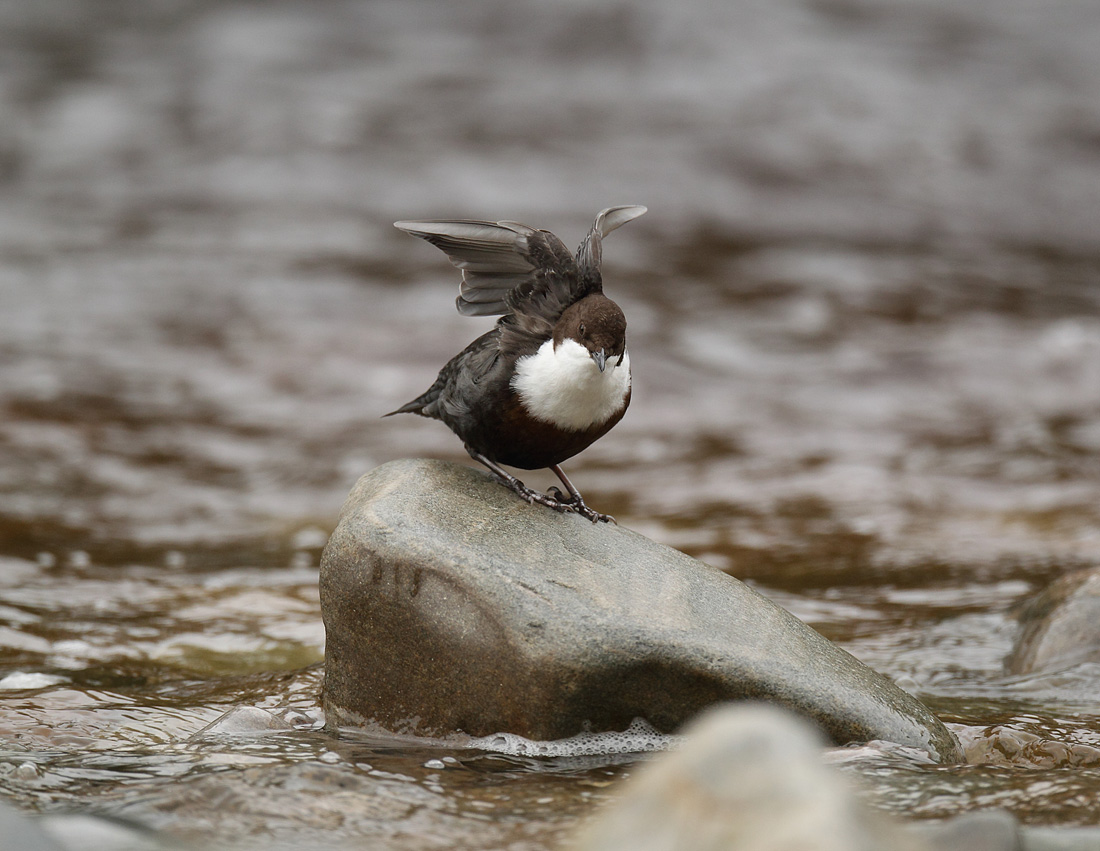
(512, 269)
(503, 264)
(590, 254)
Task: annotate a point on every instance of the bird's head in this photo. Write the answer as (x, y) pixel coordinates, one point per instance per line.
(598, 324)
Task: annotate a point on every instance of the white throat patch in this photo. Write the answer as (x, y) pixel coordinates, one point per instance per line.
(565, 388)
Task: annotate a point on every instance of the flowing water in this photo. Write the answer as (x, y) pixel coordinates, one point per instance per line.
(864, 326)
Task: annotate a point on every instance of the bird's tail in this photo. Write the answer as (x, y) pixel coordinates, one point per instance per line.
(417, 405)
(413, 407)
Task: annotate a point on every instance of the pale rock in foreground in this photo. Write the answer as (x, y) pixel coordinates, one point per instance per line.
(748, 778)
(751, 778)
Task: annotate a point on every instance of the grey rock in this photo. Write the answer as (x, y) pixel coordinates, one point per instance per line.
(452, 606)
(1058, 839)
(22, 832)
(984, 830)
(999, 830)
(748, 778)
(87, 832)
(1061, 626)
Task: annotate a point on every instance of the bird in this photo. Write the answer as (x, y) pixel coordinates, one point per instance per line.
(553, 375)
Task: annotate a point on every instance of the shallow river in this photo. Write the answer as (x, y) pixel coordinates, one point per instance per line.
(864, 317)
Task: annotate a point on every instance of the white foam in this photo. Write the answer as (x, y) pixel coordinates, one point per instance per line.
(639, 737)
(19, 681)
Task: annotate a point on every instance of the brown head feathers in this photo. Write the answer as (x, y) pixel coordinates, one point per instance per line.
(595, 322)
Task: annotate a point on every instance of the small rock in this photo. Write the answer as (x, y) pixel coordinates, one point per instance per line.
(748, 778)
(1061, 626)
(450, 605)
(88, 832)
(984, 830)
(23, 832)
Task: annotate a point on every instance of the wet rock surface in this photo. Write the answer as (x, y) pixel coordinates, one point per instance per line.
(451, 606)
(1060, 626)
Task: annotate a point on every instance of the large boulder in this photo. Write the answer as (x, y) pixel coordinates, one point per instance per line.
(452, 606)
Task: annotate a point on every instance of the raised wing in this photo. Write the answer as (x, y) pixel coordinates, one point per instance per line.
(590, 253)
(493, 257)
(501, 262)
(510, 268)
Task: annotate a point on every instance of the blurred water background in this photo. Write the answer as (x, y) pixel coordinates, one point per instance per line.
(864, 326)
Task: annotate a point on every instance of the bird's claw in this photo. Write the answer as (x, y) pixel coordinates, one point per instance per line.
(595, 516)
(574, 503)
(534, 497)
(555, 499)
(558, 501)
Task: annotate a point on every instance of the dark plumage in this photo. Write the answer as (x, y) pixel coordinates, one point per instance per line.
(553, 376)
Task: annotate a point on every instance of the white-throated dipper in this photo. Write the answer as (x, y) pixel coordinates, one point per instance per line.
(553, 376)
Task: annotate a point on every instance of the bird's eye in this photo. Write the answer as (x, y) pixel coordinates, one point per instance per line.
(581, 328)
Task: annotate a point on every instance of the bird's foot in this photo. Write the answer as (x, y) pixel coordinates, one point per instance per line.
(576, 504)
(556, 493)
(535, 497)
(515, 485)
(555, 499)
(593, 515)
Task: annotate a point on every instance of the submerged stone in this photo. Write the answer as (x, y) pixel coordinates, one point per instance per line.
(244, 721)
(1060, 626)
(452, 606)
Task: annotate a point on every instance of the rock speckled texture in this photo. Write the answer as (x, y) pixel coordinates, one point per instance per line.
(451, 606)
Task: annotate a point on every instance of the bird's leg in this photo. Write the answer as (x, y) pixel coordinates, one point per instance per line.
(576, 501)
(524, 492)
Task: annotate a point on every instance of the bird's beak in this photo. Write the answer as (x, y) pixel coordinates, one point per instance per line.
(600, 358)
